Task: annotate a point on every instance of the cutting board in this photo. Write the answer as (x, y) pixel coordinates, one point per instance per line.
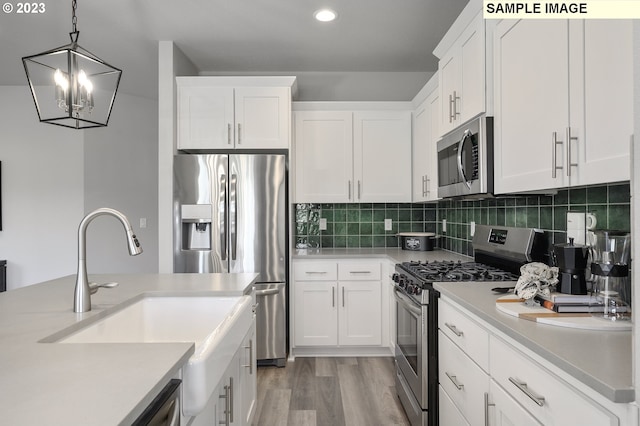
(514, 306)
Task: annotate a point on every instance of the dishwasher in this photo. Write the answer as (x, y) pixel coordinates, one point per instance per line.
(164, 410)
(271, 331)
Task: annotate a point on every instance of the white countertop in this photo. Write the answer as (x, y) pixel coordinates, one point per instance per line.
(602, 360)
(396, 255)
(89, 384)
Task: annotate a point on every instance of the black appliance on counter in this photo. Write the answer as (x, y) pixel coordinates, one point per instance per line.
(572, 267)
(499, 252)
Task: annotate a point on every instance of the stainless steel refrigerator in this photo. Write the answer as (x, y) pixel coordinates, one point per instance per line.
(230, 216)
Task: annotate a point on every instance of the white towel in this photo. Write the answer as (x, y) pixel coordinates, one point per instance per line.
(536, 278)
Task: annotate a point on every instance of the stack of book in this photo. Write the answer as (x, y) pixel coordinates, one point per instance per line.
(561, 303)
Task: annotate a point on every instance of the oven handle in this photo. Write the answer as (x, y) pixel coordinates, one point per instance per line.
(407, 302)
(465, 135)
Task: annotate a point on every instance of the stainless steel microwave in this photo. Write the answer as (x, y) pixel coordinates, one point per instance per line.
(465, 160)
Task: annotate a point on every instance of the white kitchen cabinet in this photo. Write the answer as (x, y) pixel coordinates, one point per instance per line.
(426, 125)
(346, 156)
(213, 116)
(563, 103)
(462, 73)
(337, 313)
(484, 375)
(247, 378)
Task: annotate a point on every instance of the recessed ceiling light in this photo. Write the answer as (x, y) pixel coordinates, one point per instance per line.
(325, 15)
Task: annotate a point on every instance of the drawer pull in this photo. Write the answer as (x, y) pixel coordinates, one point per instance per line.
(359, 272)
(487, 404)
(454, 329)
(454, 380)
(315, 272)
(523, 387)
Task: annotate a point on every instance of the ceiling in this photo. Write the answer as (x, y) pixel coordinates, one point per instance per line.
(238, 36)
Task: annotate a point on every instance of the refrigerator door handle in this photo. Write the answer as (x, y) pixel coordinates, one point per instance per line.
(233, 206)
(223, 217)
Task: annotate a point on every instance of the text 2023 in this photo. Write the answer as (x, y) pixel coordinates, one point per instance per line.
(30, 8)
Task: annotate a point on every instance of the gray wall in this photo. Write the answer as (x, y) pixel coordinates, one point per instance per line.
(121, 172)
(42, 192)
(52, 176)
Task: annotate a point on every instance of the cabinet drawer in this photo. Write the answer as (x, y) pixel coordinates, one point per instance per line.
(462, 380)
(448, 412)
(464, 332)
(357, 271)
(315, 271)
(550, 400)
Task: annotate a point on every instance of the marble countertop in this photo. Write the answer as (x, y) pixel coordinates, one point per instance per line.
(601, 360)
(96, 384)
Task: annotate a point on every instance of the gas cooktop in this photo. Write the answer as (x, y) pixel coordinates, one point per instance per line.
(450, 271)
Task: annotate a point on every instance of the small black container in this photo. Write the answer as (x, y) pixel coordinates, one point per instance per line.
(418, 241)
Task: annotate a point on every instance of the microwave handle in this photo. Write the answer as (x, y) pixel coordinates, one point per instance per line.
(465, 135)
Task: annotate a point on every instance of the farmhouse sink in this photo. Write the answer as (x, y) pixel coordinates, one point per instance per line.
(216, 325)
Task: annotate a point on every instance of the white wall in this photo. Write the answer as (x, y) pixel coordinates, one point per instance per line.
(42, 192)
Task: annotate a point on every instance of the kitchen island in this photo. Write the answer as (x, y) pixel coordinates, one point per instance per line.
(92, 384)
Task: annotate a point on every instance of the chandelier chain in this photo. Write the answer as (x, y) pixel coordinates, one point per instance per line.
(74, 18)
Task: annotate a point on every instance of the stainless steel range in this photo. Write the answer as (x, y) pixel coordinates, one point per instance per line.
(499, 252)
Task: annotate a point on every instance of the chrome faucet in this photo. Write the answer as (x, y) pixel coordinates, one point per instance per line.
(84, 289)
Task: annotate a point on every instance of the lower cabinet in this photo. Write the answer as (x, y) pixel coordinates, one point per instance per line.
(513, 388)
(338, 304)
(233, 401)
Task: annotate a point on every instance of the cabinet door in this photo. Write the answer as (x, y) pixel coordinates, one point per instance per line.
(604, 76)
(205, 117)
(316, 313)
(382, 156)
(506, 411)
(449, 72)
(426, 123)
(247, 378)
(324, 157)
(448, 413)
(360, 315)
(531, 104)
(262, 117)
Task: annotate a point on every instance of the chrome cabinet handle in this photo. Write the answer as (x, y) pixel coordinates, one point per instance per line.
(569, 139)
(343, 297)
(554, 160)
(428, 185)
(487, 404)
(225, 396)
(424, 181)
(455, 105)
(454, 380)
(333, 297)
(228, 133)
(454, 329)
(359, 272)
(230, 400)
(250, 365)
(359, 192)
(523, 387)
(239, 140)
(349, 190)
(450, 108)
(315, 272)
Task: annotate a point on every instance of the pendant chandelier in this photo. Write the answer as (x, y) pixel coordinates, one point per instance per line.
(72, 87)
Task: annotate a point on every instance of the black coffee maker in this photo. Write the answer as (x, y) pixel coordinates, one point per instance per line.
(572, 264)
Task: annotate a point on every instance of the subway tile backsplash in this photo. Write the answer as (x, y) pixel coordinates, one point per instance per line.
(362, 225)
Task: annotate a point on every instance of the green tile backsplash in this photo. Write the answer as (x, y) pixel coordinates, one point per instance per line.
(362, 225)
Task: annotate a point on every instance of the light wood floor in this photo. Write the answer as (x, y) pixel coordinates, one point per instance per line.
(329, 391)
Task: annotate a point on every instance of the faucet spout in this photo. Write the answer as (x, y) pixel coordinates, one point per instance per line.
(83, 290)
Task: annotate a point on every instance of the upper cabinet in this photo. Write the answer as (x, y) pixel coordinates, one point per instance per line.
(462, 70)
(426, 131)
(563, 103)
(352, 156)
(233, 113)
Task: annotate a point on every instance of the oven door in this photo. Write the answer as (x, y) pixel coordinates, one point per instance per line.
(411, 345)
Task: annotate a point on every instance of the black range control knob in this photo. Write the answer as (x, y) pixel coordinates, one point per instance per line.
(395, 277)
(417, 291)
